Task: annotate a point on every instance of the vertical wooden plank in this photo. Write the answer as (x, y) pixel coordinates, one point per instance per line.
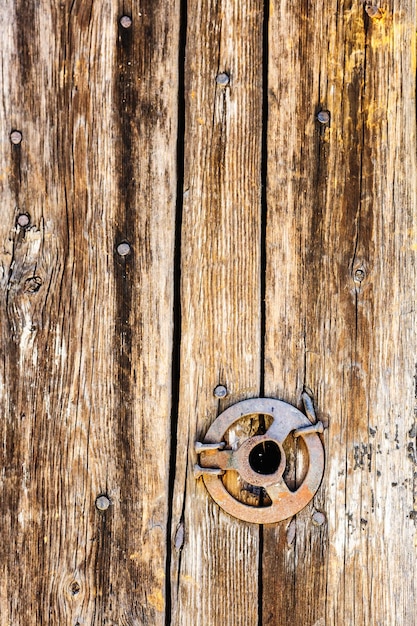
(146, 92)
(86, 332)
(215, 559)
(296, 149)
(340, 291)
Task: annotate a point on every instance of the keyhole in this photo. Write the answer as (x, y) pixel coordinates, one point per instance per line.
(265, 457)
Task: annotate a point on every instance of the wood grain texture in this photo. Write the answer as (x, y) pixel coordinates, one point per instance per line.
(86, 335)
(340, 317)
(87, 346)
(215, 570)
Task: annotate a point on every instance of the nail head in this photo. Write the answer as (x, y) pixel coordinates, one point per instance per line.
(359, 275)
(16, 137)
(102, 503)
(223, 79)
(23, 220)
(220, 391)
(318, 518)
(126, 21)
(374, 11)
(123, 248)
(323, 117)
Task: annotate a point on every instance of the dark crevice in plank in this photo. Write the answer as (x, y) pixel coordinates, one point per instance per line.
(124, 271)
(27, 47)
(124, 265)
(264, 214)
(176, 338)
(102, 566)
(16, 176)
(361, 134)
(260, 574)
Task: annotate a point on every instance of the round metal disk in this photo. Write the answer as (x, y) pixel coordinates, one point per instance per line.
(285, 503)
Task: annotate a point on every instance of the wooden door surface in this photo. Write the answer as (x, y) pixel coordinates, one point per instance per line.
(198, 194)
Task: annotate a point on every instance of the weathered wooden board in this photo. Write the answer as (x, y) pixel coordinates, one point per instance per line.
(86, 334)
(215, 571)
(160, 133)
(340, 297)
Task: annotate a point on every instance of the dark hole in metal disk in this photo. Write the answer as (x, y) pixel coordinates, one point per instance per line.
(265, 457)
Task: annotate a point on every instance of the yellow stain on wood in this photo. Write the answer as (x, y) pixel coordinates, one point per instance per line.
(156, 599)
(160, 574)
(186, 578)
(413, 48)
(391, 35)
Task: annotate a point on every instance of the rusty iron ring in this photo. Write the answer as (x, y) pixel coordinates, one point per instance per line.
(285, 503)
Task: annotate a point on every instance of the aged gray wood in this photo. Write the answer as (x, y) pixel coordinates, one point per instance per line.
(86, 334)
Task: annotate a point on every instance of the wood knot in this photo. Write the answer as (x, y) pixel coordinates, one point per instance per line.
(74, 588)
(33, 284)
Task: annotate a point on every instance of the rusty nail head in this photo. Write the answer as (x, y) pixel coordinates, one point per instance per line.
(126, 21)
(102, 503)
(323, 117)
(123, 248)
(23, 220)
(220, 391)
(16, 137)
